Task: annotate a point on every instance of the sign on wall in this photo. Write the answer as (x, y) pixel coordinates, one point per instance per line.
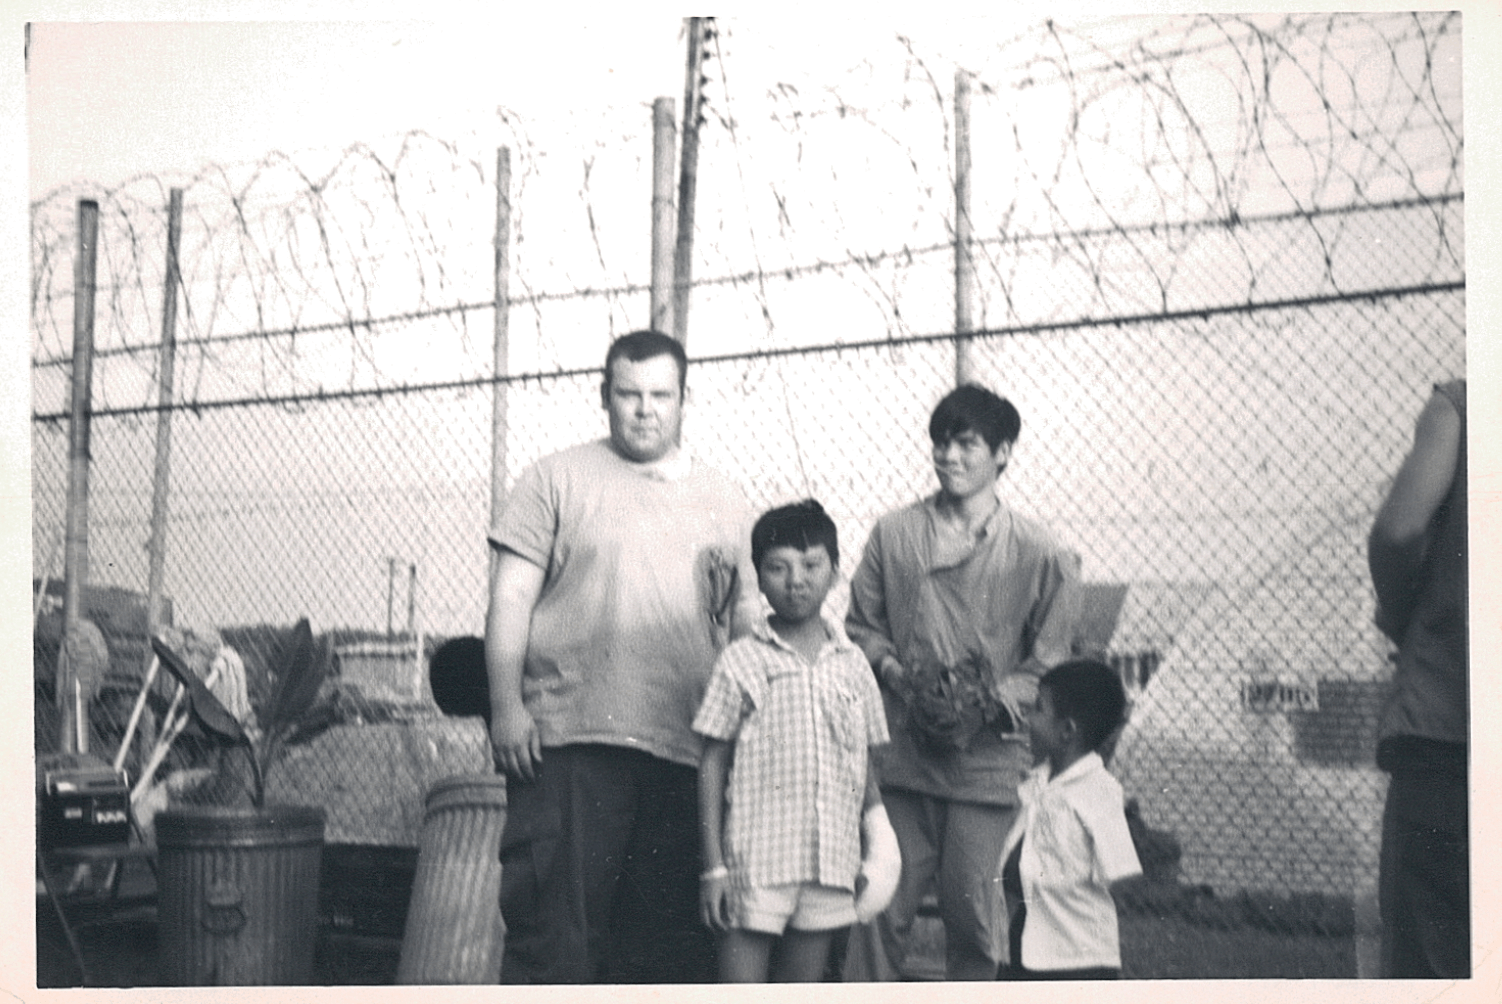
(1269, 696)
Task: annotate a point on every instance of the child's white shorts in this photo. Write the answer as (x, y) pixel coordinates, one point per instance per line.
(806, 906)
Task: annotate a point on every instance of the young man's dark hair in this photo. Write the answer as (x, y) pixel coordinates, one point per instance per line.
(972, 408)
(804, 525)
(1090, 693)
(647, 344)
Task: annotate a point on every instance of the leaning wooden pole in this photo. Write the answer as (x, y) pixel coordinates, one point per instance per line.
(161, 474)
(688, 178)
(964, 261)
(73, 737)
(501, 359)
(664, 146)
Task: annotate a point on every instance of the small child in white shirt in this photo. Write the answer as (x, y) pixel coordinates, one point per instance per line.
(1070, 841)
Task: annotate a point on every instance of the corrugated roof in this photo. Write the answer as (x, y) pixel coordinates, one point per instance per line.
(1137, 616)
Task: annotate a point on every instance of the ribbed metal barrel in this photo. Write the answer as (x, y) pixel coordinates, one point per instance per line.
(237, 896)
(454, 930)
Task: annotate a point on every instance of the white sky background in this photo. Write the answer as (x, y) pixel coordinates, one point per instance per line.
(112, 100)
(109, 101)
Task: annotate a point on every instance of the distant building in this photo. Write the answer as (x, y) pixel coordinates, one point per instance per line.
(1130, 627)
(383, 670)
(1253, 741)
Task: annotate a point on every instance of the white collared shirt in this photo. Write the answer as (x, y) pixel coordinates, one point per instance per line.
(1075, 843)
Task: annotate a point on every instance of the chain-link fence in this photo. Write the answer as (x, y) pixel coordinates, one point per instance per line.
(1213, 400)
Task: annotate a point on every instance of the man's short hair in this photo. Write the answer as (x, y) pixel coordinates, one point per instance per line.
(1089, 692)
(972, 408)
(647, 344)
(804, 525)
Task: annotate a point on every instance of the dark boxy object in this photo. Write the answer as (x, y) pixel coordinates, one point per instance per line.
(83, 801)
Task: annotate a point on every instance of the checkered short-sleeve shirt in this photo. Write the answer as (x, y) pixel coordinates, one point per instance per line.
(798, 778)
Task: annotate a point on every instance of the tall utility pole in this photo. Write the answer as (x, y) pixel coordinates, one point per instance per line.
(964, 262)
(501, 350)
(693, 98)
(412, 598)
(664, 146)
(70, 699)
(390, 597)
(161, 478)
(412, 631)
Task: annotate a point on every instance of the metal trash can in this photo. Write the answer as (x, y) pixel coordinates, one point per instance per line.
(454, 931)
(238, 894)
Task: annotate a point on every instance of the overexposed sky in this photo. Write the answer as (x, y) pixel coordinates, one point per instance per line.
(109, 100)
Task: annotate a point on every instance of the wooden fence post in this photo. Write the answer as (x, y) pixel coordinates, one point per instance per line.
(964, 262)
(71, 701)
(162, 470)
(502, 348)
(664, 140)
(688, 179)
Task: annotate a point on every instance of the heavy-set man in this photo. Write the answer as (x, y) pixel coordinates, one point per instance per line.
(622, 567)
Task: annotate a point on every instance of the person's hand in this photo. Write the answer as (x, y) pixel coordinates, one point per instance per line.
(892, 674)
(515, 742)
(881, 865)
(1016, 693)
(714, 902)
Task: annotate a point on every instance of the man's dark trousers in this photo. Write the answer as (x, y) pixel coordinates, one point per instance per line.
(600, 871)
(1424, 887)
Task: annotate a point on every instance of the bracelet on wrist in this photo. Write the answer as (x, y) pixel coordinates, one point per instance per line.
(715, 874)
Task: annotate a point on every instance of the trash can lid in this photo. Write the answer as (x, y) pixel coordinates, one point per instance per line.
(272, 825)
(482, 790)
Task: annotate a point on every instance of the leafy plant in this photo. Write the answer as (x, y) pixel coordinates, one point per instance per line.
(949, 705)
(298, 676)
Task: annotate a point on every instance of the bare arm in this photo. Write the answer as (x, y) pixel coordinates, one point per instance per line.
(873, 784)
(515, 585)
(1424, 478)
(714, 771)
(1395, 549)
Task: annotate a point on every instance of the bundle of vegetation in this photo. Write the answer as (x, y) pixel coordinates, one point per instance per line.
(288, 715)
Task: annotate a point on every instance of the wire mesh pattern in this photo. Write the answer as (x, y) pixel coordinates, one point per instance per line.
(1218, 294)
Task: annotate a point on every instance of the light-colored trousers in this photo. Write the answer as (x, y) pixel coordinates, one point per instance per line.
(955, 847)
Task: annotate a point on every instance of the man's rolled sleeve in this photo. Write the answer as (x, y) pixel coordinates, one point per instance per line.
(527, 523)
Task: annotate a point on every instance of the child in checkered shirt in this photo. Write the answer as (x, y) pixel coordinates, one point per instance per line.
(796, 841)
